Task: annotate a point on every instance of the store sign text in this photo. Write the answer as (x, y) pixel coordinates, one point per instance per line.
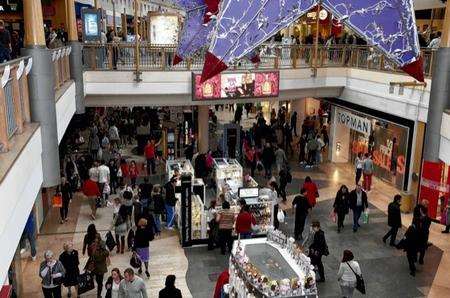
(354, 122)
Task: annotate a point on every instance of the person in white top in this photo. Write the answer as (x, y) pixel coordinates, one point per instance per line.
(346, 274)
(435, 42)
(93, 172)
(103, 180)
(359, 165)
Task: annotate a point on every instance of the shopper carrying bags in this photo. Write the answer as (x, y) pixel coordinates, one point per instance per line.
(348, 275)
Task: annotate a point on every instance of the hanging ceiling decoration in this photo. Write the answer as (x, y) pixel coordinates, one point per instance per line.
(241, 26)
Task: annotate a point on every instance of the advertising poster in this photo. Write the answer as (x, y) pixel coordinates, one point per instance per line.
(236, 85)
(91, 19)
(430, 185)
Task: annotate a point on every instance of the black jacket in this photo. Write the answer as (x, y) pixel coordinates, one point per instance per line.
(170, 194)
(143, 237)
(158, 204)
(268, 156)
(394, 216)
(171, 292)
(354, 198)
(301, 205)
(411, 241)
(319, 244)
(341, 202)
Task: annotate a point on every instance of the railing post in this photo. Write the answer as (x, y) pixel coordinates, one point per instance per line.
(18, 114)
(110, 57)
(163, 59)
(344, 55)
(25, 98)
(357, 58)
(4, 143)
(430, 64)
(188, 63)
(294, 56)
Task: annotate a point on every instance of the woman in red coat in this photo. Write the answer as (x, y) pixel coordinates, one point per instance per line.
(125, 169)
(312, 193)
(134, 172)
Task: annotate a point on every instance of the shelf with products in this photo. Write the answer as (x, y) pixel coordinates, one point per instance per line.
(177, 167)
(228, 175)
(198, 220)
(269, 268)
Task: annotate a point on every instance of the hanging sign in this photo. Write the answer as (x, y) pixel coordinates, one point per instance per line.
(354, 122)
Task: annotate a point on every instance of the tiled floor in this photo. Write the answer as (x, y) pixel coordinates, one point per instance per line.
(385, 269)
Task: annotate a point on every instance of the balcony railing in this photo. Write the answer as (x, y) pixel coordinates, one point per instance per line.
(14, 100)
(156, 58)
(61, 65)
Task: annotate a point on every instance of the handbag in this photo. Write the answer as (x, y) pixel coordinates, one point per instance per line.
(110, 242)
(85, 283)
(360, 285)
(365, 216)
(57, 201)
(280, 215)
(135, 261)
(333, 216)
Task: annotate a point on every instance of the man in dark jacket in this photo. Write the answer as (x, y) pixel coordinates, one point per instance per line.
(411, 247)
(170, 201)
(301, 207)
(268, 158)
(423, 227)
(318, 249)
(358, 204)
(394, 220)
(170, 291)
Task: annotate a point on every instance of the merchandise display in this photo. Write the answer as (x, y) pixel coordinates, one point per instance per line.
(228, 174)
(178, 167)
(270, 267)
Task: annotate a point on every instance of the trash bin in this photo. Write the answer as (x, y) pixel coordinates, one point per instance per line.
(407, 202)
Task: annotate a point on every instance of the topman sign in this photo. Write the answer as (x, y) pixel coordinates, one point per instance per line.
(360, 124)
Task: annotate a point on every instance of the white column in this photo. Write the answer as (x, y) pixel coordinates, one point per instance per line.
(203, 129)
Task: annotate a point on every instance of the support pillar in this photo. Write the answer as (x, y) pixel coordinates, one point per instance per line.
(440, 93)
(203, 129)
(76, 64)
(42, 90)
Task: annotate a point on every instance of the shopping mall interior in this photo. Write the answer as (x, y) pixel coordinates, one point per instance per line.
(224, 148)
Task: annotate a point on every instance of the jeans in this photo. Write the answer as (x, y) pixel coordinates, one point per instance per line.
(226, 240)
(170, 210)
(157, 218)
(99, 280)
(32, 239)
(393, 234)
(356, 215)
(347, 291)
(246, 235)
(358, 175)
(64, 210)
(52, 292)
(151, 166)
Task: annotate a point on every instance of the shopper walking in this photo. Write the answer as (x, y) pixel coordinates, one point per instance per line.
(65, 191)
(312, 192)
(312, 146)
(318, 249)
(341, 206)
(158, 207)
(134, 173)
(359, 165)
(52, 273)
(91, 191)
(170, 202)
(89, 240)
(103, 180)
(268, 158)
(225, 219)
(368, 169)
(170, 291)
(150, 156)
(280, 159)
(446, 215)
(29, 233)
(144, 234)
(294, 122)
(119, 224)
(394, 220)
(285, 177)
(244, 221)
(302, 149)
(112, 284)
(132, 286)
(213, 226)
(410, 243)
(423, 227)
(100, 260)
(347, 274)
(358, 204)
(301, 208)
(69, 259)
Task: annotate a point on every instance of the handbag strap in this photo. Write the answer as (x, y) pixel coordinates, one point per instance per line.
(357, 275)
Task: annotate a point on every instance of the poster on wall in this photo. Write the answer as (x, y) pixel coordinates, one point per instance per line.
(91, 19)
(164, 28)
(430, 186)
(236, 85)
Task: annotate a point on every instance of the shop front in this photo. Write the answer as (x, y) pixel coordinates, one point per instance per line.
(386, 138)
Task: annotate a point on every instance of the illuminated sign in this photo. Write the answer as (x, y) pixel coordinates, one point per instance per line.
(237, 85)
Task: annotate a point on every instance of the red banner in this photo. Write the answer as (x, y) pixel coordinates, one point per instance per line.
(430, 185)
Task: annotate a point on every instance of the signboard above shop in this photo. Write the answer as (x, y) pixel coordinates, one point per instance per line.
(236, 85)
(354, 122)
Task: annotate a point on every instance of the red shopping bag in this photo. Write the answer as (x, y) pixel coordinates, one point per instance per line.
(57, 201)
(333, 216)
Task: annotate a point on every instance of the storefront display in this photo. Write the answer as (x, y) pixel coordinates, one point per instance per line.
(228, 174)
(198, 229)
(386, 141)
(270, 267)
(178, 167)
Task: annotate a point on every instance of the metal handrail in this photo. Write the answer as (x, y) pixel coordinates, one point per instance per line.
(120, 56)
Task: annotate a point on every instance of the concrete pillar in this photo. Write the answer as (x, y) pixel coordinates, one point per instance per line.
(440, 93)
(76, 64)
(299, 106)
(42, 90)
(203, 129)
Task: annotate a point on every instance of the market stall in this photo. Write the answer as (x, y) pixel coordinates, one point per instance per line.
(270, 267)
(228, 175)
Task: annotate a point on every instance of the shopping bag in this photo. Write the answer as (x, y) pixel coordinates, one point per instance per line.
(110, 242)
(365, 216)
(333, 216)
(280, 215)
(85, 283)
(135, 261)
(57, 201)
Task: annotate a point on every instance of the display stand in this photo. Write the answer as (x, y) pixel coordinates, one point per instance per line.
(228, 175)
(178, 166)
(270, 267)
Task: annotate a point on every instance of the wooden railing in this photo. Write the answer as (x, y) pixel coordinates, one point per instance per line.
(153, 57)
(61, 65)
(14, 99)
